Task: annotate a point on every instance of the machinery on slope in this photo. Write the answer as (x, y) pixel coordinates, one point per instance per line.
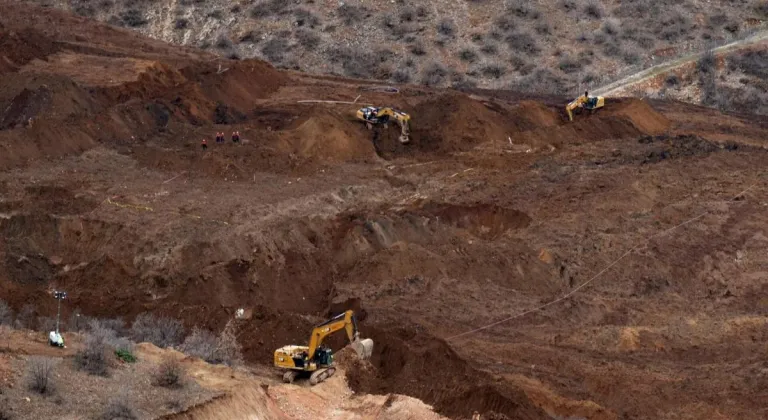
(372, 116)
(317, 359)
(587, 102)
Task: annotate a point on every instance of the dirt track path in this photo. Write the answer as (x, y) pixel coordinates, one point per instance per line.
(616, 87)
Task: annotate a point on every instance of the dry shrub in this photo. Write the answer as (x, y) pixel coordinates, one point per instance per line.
(446, 27)
(40, 375)
(26, 318)
(401, 76)
(93, 358)
(6, 314)
(523, 42)
(6, 412)
(307, 39)
(223, 349)
(594, 10)
(468, 55)
(118, 409)
(160, 331)
(350, 14)
(434, 74)
(169, 374)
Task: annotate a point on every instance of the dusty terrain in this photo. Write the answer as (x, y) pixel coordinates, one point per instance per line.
(497, 207)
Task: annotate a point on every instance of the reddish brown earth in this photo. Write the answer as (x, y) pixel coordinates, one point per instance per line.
(498, 206)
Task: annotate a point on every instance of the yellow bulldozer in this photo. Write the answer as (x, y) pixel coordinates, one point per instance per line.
(317, 359)
(373, 116)
(590, 103)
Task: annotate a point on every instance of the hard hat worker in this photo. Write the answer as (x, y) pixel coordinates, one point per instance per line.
(204, 144)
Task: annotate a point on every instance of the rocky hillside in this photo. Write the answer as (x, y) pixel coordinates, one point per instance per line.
(540, 45)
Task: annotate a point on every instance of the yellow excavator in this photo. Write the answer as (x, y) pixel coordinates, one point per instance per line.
(372, 116)
(316, 359)
(587, 102)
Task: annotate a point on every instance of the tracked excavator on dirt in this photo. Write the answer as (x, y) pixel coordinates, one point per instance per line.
(372, 116)
(316, 359)
(590, 103)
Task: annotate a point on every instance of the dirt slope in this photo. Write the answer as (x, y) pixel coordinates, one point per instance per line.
(498, 206)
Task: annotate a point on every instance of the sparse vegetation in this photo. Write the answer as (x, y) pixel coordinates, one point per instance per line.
(433, 74)
(446, 27)
(350, 14)
(223, 42)
(160, 331)
(489, 49)
(672, 80)
(118, 409)
(569, 65)
(303, 17)
(269, 8)
(468, 55)
(6, 314)
(401, 76)
(181, 24)
(706, 67)
(169, 374)
(6, 412)
(275, 49)
(417, 49)
(46, 324)
(93, 357)
(214, 349)
(133, 18)
(125, 355)
(594, 10)
(494, 71)
(307, 39)
(522, 9)
(523, 42)
(40, 375)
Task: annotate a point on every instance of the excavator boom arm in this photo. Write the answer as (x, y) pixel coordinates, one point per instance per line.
(343, 321)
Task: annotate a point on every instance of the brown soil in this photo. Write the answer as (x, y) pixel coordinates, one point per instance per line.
(107, 194)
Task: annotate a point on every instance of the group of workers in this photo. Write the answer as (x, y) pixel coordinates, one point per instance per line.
(220, 138)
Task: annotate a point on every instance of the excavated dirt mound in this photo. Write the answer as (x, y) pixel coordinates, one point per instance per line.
(17, 48)
(411, 362)
(640, 114)
(446, 124)
(326, 136)
(25, 106)
(620, 118)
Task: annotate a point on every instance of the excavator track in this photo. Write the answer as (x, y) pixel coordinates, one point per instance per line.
(321, 375)
(290, 376)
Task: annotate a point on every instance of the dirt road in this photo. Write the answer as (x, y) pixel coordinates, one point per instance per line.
(617, 87)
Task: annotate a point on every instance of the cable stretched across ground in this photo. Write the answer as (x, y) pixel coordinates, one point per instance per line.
(600, 273)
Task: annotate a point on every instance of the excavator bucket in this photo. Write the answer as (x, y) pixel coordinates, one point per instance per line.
(363, 348)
